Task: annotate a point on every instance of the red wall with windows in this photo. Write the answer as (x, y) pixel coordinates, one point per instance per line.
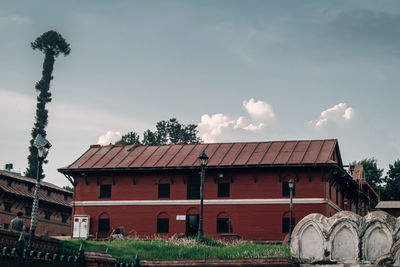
(250, 221)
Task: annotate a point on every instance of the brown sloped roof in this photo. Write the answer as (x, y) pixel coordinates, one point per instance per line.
(301, 152)
(23, 190)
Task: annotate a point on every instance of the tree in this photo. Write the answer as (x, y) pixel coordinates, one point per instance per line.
(129, 139)
(392, 179)
(167, 132)
(52, 44)
(66, 187)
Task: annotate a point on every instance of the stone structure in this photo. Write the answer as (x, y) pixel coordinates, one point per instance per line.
(348, 238)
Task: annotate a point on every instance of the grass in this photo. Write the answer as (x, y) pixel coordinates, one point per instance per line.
(161, 249)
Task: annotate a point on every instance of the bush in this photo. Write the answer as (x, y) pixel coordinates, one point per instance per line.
(208, 241)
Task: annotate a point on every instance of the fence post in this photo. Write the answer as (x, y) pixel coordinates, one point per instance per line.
(82, 255)
(21, 244)
(137, 261)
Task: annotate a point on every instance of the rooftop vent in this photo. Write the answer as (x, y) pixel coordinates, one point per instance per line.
(9, 166)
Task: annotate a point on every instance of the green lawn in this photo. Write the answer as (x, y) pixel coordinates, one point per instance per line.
(160, 249)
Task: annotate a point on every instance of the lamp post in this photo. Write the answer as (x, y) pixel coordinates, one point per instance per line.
(43, 147)
(291, 187)
(203, 158)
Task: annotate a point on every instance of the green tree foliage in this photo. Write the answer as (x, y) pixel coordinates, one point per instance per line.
(52, 44)
(66, 187)
(392, 188)
(129, 139)
(373, 174)
(167, 132)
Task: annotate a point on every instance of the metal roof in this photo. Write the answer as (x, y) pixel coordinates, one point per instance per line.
(388, 205)
(300, 152)
(21, 189)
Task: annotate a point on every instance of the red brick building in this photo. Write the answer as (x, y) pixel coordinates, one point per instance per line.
(155, 189)
(16, 194)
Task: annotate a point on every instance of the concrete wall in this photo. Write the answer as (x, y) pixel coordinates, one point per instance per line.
(348, 238)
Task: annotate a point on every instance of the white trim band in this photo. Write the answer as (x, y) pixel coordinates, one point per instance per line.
(207, 202)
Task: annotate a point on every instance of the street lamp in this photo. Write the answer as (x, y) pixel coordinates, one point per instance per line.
(291, 187)
(203, 158)
(43, 147)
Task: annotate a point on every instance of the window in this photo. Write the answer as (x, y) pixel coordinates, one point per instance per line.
(27, 229)
(163, 191)
(223, 189)
(9, 182)
(162, 225)
(104, 226)
(7, 206)
(222, 225)
(193, 187)
(105, 191)
(286, 191)
(28, 211)
(65, 197)
(64, 218)
(286, 224)
(330, 191)
(48, 192)
(30, 187)
(6, 226)
(47, 215)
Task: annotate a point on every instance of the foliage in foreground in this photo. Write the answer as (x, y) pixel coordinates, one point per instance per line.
(160, 249)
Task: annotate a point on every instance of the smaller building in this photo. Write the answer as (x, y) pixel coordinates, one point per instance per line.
(16, 194)
(391, 207)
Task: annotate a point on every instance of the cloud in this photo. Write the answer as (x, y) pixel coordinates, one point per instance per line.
(109, 137)
(212, 126)
(216, 125)
(336, 114)
(259, 109)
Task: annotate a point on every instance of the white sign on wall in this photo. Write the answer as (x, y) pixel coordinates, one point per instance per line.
(181, 217)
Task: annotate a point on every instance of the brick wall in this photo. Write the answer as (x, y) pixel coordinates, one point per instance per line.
(253, 222)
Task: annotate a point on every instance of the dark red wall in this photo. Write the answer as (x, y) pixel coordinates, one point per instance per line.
(253, 222)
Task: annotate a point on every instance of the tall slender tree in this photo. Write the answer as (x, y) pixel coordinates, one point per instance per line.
(52, 44)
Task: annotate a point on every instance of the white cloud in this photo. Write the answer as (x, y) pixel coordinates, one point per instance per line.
(259, 109)
(216, 125)
(211, 126)
(109, 137)
(337, 114)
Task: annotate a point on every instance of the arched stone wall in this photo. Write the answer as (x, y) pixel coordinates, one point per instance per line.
(377, 241)
(347, 238)
(344, 241)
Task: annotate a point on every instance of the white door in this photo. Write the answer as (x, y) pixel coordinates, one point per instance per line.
(75, 232)
(81, 227)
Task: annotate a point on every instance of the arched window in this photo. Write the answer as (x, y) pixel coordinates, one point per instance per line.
(286, 222)
(162, 223)
(224, 224)
(104, 224)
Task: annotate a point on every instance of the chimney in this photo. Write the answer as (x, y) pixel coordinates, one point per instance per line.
(9, 166)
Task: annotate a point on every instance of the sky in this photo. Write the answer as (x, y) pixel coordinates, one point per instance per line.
(242, 70)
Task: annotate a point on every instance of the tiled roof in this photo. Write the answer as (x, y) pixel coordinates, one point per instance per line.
(388, 205)
(22, 190)
(31, 180)
(303, 152)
